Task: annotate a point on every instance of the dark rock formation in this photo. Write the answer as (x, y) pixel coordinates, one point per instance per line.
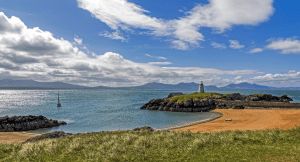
(24, 123)
(145, 128)
(56, 134)
(166, 104)
(235, 101)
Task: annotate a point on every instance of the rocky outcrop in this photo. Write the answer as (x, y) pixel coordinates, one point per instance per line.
(221, 101)
(24, 123)
(166, 104)
(268, 97)
(56, 134)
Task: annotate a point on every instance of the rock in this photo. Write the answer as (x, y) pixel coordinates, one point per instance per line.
(145, 128)
(56, 134)
(286, 98)
(239, 107)
(24, 123)
(237, 96)
(254, 99)
(188, 103)
(3, 118)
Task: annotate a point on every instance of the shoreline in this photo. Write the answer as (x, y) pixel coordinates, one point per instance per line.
(218, 115)
(244, 119)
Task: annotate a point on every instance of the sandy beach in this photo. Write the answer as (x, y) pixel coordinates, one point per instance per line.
(241, 120)
(13, 137)
(248, 120)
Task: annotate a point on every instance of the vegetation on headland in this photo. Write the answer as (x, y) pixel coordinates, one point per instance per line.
(197, 95)
(262, 145)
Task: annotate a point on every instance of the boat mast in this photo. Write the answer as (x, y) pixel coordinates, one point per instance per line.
(58, 97)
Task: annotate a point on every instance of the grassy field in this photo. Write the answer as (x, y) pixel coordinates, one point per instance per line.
(196, 95)
(265, 145)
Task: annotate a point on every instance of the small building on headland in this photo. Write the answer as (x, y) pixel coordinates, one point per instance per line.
(175, 94)
(201, 88)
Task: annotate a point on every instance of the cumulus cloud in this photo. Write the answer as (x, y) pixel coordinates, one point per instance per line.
(217, 45)
(182, 32)
(234, 44)
(256, 50)
(31, 53)
(291, 75)
(286, 46)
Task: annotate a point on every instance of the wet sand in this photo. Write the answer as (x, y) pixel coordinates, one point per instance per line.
(248, 120)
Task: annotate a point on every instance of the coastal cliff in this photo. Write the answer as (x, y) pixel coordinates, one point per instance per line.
(24, 123)
(199, 102)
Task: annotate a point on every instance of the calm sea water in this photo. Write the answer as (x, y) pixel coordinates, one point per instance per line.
(102, 110)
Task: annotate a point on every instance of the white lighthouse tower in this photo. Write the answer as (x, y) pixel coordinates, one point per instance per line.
(201, 88)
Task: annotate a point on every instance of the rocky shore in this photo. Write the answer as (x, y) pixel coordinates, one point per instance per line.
(216, 100)
(25, 123)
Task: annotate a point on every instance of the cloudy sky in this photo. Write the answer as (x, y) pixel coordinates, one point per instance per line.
(132, 42)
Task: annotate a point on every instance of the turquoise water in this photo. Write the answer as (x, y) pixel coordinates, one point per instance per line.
(102, 110)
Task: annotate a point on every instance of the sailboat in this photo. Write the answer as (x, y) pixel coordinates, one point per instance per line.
(58, 104)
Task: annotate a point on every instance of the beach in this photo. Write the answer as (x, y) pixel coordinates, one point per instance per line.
(14, 137)
(247, 119)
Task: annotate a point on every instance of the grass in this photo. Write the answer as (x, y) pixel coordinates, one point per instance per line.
(259, 95)
(196, 95)
(263, 145)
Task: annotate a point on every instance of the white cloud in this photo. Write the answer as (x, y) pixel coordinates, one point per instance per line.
(238, 78)
(117, 35)
(160, 63)
(235, 44)
(256, 50)
(78, 40)
(158, 57)
(287, 46)
(217, 45)
(31, 53)
(87, 50)
(183, 32)
(278, 77)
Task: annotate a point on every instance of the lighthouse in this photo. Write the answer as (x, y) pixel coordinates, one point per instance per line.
(201, 88)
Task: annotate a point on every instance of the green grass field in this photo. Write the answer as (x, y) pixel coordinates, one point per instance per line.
(196, 95)
(264, 145)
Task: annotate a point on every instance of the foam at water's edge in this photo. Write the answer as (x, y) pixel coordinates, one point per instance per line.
(218, 115)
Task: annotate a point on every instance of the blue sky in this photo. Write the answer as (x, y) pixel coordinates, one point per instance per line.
(132, 42)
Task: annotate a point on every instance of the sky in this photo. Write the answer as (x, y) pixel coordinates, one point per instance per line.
(131, 42)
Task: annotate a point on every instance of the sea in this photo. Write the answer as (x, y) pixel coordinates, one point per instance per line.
(97, 110)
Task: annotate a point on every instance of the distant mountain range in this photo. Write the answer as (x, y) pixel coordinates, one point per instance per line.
(9, 83)
(30, 84)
